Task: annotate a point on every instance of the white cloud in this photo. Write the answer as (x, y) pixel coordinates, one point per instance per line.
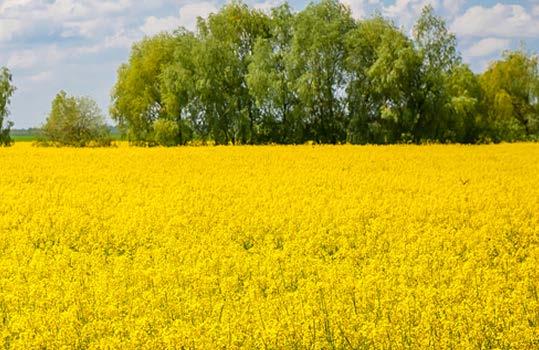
(119, 40)
(11, 4)
(22, 59)
(42, 56)
(267, 5)
(189, 13)
(153, 25)
(41, 77)
(407, 11)
(509, 21)
(85, 28)
(487, 47)
(9, 28)
(187, 17)
(64, 9)
(81, 9)
(453, 6)
(69, 17)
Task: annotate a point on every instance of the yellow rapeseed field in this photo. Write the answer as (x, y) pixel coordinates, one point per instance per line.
(307, 247)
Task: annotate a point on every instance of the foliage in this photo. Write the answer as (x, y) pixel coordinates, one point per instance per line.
(269, 81)
(165, 132)
(324, 247)
(465, 104)
(246, 76)
(511, 89)
(317, 57)
(75, 121)
(178, 89)
(437, 48)
(228, 39)
(6, 92)
(137, 97)
(384, 70)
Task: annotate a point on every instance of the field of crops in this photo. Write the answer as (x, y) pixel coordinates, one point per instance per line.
(314, 247)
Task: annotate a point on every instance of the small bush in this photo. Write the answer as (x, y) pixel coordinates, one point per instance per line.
(75, 121)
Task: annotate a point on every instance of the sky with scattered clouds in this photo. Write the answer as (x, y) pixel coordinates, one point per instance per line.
(77, 45)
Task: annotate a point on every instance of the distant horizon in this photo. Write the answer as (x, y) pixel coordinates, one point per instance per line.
(78, 46)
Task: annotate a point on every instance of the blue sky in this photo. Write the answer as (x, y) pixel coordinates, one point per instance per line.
(77, 45)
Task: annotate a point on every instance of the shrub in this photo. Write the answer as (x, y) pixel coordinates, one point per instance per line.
(75, 121)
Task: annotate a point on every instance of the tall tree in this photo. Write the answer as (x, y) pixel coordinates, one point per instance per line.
(178, 90)
(383, 67)
(6, 92)
(270, 83)
(317, 61)
(137, 99)
(511, 88)
(438, 49)
(228, 40)
(466, 105)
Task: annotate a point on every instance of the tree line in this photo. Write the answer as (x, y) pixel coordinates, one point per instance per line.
(247, 77)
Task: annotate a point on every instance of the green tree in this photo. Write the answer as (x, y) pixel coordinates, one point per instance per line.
(166, 132)
(229, 38)
(75, 121)
(247, 77)
(178, 88)
(437, 47)
(511, 88)
(466, 104)
(270, 83)
(394, 77)
(6, 92)
(317, 68)
(137, 99)
(384, 68)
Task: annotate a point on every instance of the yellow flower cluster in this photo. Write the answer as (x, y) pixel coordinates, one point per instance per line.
(307, 247)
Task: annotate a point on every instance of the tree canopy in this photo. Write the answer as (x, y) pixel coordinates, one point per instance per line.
(75, 121)
(246, 76)
(6, 92)
(511, 90)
